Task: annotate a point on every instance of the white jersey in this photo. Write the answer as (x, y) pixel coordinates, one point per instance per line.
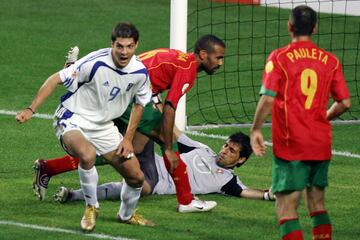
(205, 175)
(99, 91)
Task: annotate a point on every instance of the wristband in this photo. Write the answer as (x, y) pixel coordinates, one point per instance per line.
(29, 108)
(266, 196)
(156, 98)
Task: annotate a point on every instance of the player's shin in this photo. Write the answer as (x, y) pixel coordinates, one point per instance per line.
(88, 180)
(290, 229)
(62, 164)
(129, 198)
(321, 224)
(181, 180)
(66, 163)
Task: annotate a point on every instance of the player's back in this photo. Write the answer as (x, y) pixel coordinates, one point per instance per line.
(164, 63)
(300, 124)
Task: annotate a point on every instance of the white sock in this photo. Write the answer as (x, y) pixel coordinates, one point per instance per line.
(88, 181)
(129, 198)
(106, 191)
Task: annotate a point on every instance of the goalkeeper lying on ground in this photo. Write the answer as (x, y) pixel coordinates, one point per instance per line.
(208, 172)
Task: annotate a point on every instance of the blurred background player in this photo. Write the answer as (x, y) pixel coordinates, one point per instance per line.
(208, 172)
(297, 83)
(100, 87)
(176, 72)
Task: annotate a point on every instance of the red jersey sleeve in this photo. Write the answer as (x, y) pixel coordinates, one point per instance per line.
(339, 89)
(271, 76)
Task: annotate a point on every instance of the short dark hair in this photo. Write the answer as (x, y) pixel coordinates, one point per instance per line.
(125, 30)
(207, 43)
(244, 141)
(303, 20)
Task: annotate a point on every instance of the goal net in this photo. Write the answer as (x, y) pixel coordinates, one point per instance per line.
(251, 31)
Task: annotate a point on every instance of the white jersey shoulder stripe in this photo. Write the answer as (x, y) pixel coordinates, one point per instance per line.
(94, 55)
(99, 64)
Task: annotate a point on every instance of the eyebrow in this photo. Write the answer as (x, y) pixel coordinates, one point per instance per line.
(232, 149)
(122, 45)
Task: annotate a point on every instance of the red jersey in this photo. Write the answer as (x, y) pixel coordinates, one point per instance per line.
(171, 70)
(301, 77)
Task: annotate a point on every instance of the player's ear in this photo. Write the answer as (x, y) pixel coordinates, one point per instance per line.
(315, 29)
(137, 43)
(241, 160)
(290, 27)
(202, 54)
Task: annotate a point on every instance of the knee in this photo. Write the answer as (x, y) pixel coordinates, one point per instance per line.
(136, 179)
(147, 190)
(87, 157)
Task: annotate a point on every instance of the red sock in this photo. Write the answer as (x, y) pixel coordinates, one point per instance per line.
(290, 229)
(322, 229)
(181, 180)
(295, 235)
(322, 232)
(63, 164)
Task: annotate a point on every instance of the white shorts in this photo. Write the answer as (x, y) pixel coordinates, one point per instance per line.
(104, 137)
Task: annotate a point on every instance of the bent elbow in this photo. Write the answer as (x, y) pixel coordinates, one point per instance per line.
(346, 103)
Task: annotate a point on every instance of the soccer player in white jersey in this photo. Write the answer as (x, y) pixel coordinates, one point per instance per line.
(100, 87)
(208, 172)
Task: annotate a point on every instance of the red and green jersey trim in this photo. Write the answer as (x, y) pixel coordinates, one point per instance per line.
(267, 92)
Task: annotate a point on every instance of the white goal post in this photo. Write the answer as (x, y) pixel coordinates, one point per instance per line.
(178, 40)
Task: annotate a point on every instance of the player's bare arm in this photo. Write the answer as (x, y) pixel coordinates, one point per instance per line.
(168, 126)
(44, 92)
(257, 194)
(126, 148)
(263, 109)
(338, 108)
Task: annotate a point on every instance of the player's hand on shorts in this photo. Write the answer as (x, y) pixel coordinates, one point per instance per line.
(173, 159)
(125, 149)
(272, 196)
(24, 115)
(257, 143)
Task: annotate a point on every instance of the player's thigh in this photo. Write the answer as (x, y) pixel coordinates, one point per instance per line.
(289, 176)
(77, 145)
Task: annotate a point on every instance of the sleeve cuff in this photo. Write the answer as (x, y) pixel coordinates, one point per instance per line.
(264, 91)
